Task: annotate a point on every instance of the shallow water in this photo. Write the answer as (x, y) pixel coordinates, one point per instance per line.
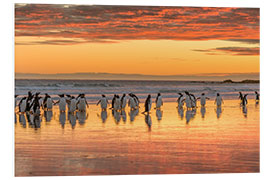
(209, 140)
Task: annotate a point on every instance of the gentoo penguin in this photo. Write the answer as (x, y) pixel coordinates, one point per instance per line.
(22, 104)
(137, 101)
(148, 104)
(187, 100)
(244, 100)
(82, 103)
(62, 102)
(123, 101)
(203, 99)
(179, 101)
(103, 102)
(159, 101)
(257, 96)
(218, 100)
(117, 103)
(240, 96)
(72, 104)
(131, 102)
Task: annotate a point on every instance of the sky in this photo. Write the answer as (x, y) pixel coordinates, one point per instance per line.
(148, 40)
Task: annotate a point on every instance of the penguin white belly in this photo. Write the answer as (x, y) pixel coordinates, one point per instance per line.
(103, 103)
(72, 106)
(159, 102)
(132, 103)
(124, 103)
(219, 101)
(117, 104)
(23, 106)
(188, 102)
(49, 103)
(180, 103)
(149, 104)
(82, 105)
(203, 101)
(62, 104)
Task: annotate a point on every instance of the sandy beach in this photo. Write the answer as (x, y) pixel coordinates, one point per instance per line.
(209, 140)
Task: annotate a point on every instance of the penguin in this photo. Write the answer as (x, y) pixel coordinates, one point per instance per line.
(113, 99)
(68, 100)
(159, 101)
(257, 96)
(22, 104)
(103, 102)
(136, 99)
(123, 101)
(203, 99)
(244, 100)
(35, 104)
(29, 101)
(193, 101)
(148, 104)
(72, 104)
(240, 96)
(49, 103)
(62, 102)
(218, 100)
(82, 103)
(131, 102)
(187, 100)
(179, 101)
(117, 103)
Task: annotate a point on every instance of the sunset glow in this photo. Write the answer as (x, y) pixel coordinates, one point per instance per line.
(132, 39)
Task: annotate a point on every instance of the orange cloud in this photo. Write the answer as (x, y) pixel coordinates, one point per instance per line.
(110, 23)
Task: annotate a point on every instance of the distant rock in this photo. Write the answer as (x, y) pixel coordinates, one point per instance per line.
(244, 81)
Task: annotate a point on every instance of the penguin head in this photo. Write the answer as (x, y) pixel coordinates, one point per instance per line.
(72, 97)
(187, 93)
(202, 94)
(180, 94)
(16, 95)
(124, 95)
(256, 92)
(68, 95)
(82, 95)
(103, 95)
(158, 94)
(217, 94)
(61, 95)
(149, 96)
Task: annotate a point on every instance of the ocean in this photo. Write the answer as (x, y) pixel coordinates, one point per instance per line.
(168, 89)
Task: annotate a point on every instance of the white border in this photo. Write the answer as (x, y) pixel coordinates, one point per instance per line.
(7, 82)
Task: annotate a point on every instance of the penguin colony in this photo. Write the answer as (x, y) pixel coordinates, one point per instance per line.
(33, 103)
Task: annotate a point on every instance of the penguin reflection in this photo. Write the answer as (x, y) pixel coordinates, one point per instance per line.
(148, 120)
(244, 110)
(159, 114)
(188, 116)
(132, 114)
(82, 116)
(218, 111)
(103, 115)
(22, 120)
(203, 110)
(72, 119)
(181, 112)
(37, 121)
(116, 115)
(124, 115)
(62, 119)
(48, 115)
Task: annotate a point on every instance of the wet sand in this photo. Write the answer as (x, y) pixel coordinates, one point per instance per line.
(209, 140)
